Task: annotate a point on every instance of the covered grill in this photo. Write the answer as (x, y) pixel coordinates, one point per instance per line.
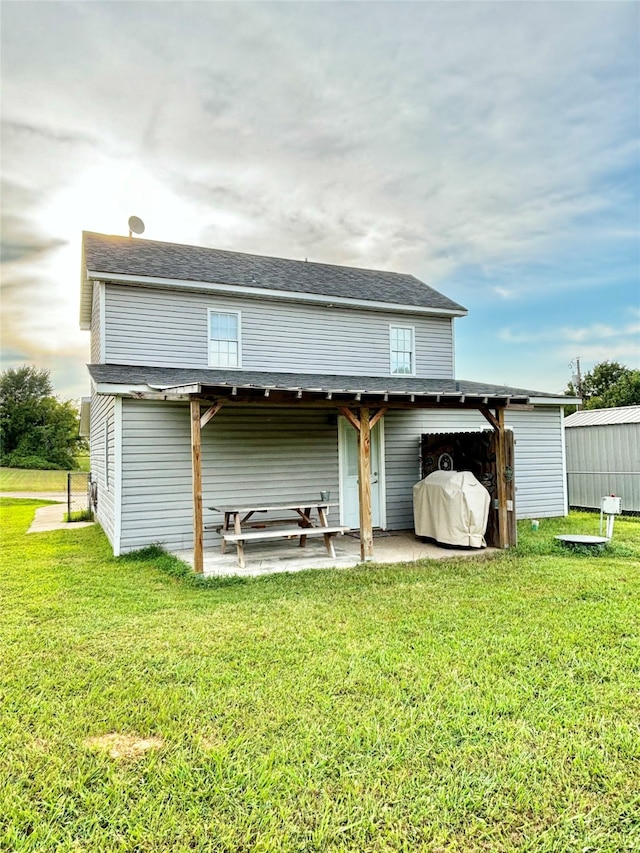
(451, 507)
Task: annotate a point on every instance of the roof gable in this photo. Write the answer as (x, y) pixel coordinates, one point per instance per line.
(145, 259)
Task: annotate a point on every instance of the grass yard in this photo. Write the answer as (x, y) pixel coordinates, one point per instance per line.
(26, 480)
(83, 462)
(478, 705)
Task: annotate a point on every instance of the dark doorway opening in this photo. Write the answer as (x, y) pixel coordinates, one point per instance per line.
(475, 452)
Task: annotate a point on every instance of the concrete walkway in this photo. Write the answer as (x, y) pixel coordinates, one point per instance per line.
(61, 497)
(48, 517)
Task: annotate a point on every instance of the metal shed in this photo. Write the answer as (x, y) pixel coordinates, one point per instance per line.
(603, 457)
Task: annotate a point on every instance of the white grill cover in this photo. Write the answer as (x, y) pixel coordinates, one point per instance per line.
(451, 507)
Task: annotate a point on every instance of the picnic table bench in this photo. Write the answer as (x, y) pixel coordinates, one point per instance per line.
(241, 526)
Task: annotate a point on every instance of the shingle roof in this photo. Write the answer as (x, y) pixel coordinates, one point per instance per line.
(602, 417)
(168, 377)
(152, 258)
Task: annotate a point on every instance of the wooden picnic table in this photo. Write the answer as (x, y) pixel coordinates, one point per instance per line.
(240, 524)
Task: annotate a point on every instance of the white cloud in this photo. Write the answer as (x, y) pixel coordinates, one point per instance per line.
(560, 345)
(422, 137)
(622, 349)
(505, 292)
(350, 110)
(596, 331)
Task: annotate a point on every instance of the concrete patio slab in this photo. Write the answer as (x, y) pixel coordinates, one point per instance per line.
(267, 558)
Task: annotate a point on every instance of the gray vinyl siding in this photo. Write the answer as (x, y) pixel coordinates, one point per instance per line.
(169, 329)
(539, 462)
(273, 454)
(538, 458)
(248, 455)
(103, 420)
(604, 460)
(95, 324)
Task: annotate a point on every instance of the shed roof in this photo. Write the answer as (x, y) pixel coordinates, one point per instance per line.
(135, 257)
(602, 417)
(168, 378)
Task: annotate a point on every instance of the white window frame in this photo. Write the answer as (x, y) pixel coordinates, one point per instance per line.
(411, 329)
(213, 363)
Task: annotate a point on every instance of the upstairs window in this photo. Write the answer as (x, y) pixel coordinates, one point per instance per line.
(224, 338)
(402, 346)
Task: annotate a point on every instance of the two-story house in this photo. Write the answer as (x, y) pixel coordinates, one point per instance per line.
(220, 377)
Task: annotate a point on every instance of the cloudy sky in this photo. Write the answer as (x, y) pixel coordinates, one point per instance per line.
(491, 149)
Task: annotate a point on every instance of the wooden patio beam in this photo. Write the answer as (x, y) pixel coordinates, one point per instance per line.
(497, 422)
(364, 485)
(363, 426)
(211, 412)
(350, 416)
(196, 477)
(380, 413)
(501, 482)
(197, 425)
(335, 398)
(355, 423)
(491, 418)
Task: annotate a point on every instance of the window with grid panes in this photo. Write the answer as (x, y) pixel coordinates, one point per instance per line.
(402, 350)
(224, 338)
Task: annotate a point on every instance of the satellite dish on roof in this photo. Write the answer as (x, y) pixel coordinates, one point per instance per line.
(136, 226)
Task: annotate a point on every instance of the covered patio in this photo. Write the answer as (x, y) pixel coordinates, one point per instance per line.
(362, 401)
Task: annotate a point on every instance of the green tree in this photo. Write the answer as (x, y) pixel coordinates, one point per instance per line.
(36, 429)
(624, 392)
(604, 376)
(609, 385)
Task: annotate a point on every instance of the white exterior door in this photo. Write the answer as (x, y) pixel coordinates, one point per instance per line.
(349, 502)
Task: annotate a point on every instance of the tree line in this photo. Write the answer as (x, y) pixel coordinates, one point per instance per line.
(37, 430)
(608, 386)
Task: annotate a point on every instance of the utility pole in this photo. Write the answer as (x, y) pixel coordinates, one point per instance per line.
(577, 376)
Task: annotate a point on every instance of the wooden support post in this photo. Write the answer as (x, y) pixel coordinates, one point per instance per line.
(501, 482)
(196, 474)
(364, 485)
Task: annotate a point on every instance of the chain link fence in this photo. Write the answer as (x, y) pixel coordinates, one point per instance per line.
(79, 492)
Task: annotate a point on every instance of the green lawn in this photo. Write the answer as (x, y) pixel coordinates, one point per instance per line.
(478, 705)
(82, 461)
(25, 480)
